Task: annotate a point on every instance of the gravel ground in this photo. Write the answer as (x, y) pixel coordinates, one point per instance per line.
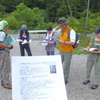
(75, 89)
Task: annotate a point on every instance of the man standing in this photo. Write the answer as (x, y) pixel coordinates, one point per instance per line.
(5, 67)
(65, 45)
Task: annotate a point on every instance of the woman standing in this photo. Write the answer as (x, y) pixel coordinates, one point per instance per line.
(24, 40)
(49, 48)
(93, 59)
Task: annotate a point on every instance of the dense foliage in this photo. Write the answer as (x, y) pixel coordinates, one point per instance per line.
(37, 14)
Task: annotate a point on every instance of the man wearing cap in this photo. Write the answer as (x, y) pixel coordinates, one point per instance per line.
(93, 59)
(5, 67)
(65, 45)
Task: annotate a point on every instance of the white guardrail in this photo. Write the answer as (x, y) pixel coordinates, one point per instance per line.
(36, 31)
(31, 31)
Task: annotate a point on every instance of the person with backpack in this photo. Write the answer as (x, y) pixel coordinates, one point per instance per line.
(5, 66)
(93, 59)
(24, 40)
(65, 45)
(50, 47)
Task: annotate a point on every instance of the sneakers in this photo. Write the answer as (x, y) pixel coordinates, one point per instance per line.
(7, 86)
(94, 86)
(86, 82)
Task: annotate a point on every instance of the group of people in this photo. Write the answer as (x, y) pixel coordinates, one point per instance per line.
(65, 45)
(66, 48)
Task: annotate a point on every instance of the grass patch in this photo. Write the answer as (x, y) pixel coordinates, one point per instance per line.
(84, 42)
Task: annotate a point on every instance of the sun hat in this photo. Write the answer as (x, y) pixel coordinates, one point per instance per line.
(49, 28)
(97, 30)
(23, 28)
(62, 21)
(3, 24)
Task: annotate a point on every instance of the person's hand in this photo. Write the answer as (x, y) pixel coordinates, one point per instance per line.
(48, 42)
(21, 41)
(60, 41)
(85, 49)
(28, 43)
(93, 51)
(10, 46)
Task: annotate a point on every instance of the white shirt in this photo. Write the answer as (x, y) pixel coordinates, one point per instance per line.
(72, 34)
(24, 35)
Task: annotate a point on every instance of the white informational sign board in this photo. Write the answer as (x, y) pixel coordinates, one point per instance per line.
(38, 78)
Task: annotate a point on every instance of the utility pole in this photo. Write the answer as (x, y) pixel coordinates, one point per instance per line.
(87, 18)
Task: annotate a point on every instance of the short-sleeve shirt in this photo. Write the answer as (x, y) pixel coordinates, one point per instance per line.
(2, 36)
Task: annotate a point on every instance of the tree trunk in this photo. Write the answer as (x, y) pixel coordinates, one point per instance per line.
(69, 8)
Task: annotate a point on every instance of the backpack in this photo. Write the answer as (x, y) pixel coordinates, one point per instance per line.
(52, 35)
(76, 40)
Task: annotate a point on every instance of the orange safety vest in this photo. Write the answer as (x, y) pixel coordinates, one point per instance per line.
(64, 37)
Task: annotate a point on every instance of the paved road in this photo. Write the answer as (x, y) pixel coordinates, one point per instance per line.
(75, 89)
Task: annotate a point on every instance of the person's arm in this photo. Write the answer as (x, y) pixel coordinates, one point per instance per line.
(56, 28)
(2, 37)
(66, 43)
(97, 52)
(4, 46)
(94, 51)
(89, 46)
(18, 38)
(72, 39)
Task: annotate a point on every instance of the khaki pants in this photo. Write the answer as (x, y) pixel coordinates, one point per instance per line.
(5, 67)
(91, 60)
(66, 60)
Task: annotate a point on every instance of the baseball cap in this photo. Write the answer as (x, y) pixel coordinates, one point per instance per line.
(62, 21)
(3, 24)
(49, 28)
(97, 30)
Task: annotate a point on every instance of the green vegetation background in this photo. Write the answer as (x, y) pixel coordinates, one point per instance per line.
(47, 13)
(38, 14)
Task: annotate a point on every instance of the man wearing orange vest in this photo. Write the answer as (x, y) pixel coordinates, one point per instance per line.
(65, 45)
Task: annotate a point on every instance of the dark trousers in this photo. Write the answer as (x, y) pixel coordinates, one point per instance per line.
(23, 47)
(50, 52)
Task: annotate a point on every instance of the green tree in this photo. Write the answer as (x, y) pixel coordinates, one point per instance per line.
(61, 12)
(2, 10)
(25, 15)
